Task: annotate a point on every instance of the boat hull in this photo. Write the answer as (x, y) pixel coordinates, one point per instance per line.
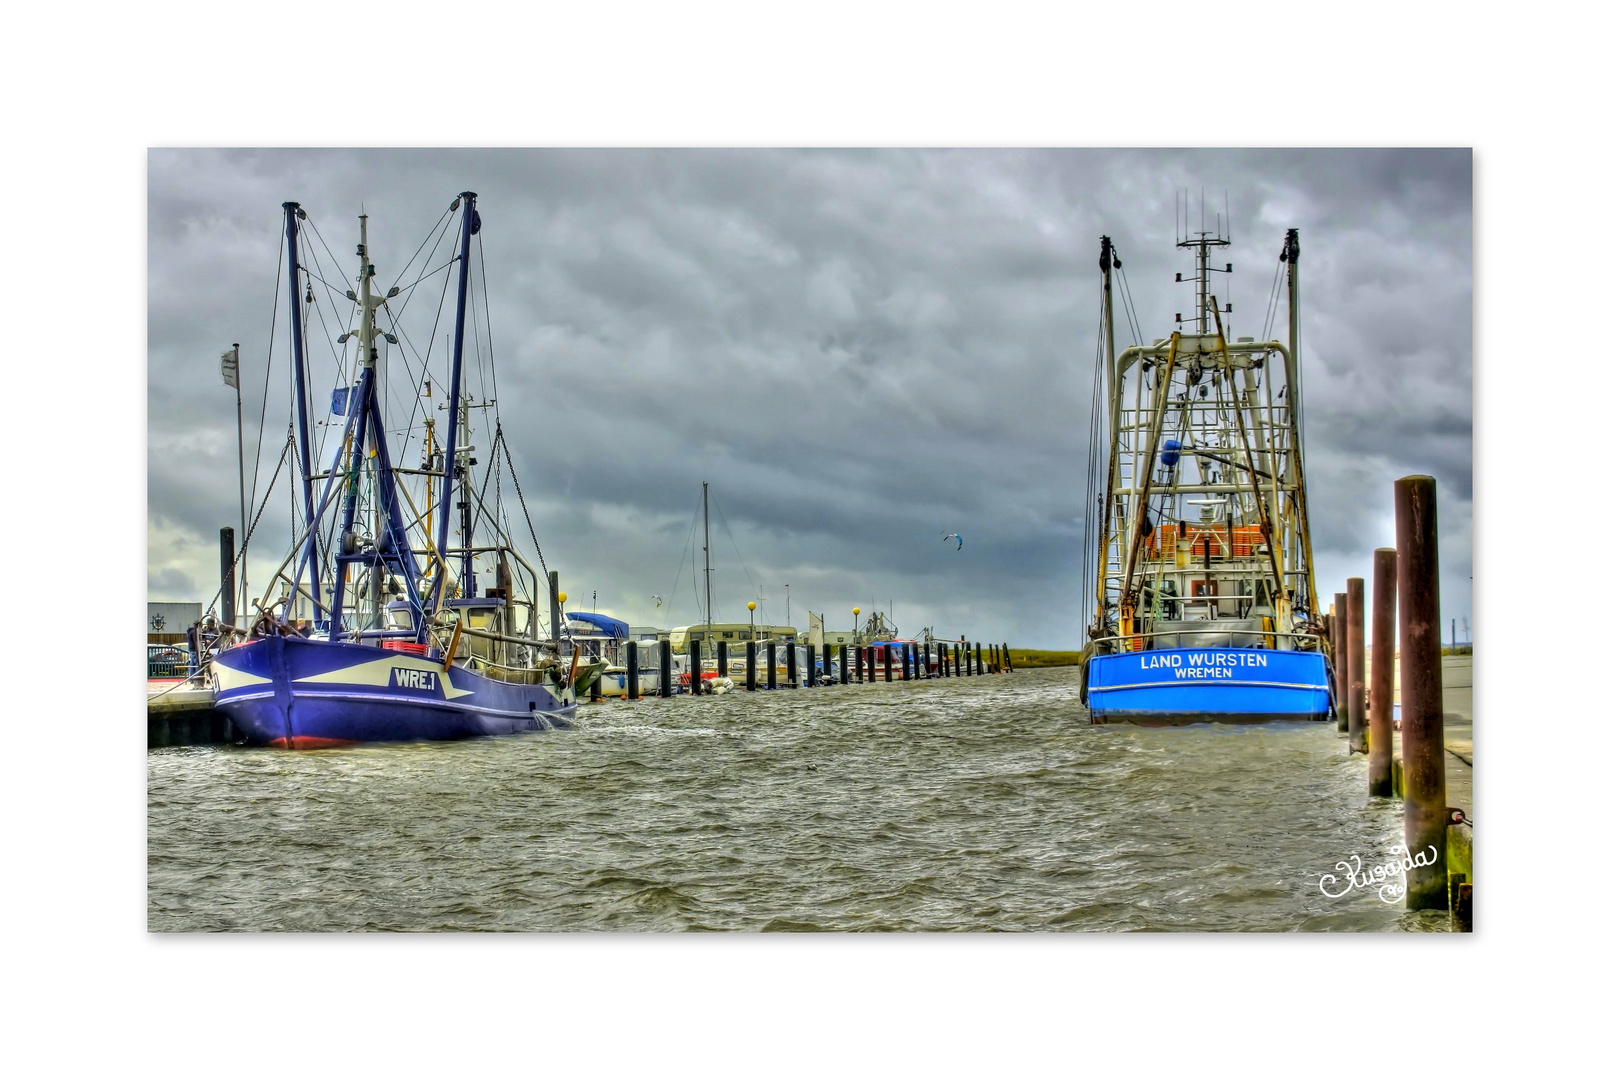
(1194, 686)
(302, 694)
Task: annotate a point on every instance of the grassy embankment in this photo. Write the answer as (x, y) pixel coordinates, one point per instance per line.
(1022, 658)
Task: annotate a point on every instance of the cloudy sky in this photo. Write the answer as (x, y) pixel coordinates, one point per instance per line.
(858, 350)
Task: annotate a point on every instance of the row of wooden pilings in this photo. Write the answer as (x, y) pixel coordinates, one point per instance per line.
(1405, 590)
(912, 661)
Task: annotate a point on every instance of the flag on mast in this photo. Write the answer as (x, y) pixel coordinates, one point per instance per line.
(227, 368)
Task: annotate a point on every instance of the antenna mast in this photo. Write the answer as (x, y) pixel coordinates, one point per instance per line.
(1203, 240)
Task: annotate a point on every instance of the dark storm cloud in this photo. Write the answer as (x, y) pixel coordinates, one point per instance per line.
(858, 349)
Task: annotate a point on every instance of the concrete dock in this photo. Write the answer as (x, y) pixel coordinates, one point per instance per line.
(180, 715)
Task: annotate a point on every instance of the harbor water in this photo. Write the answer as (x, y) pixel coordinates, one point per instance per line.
(950, 805)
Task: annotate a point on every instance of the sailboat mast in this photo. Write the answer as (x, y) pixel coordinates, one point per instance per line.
(452, 456)
(708, 589)
(293, 212)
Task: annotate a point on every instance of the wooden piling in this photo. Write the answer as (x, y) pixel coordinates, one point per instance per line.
(888, 663)
(978, 659)
(843, 665)
(1355, 675)
(956, 657)
(596, 688)
(722, 669)
(696, 677)
(632, 672)
(1381, 681)
(665, 669)
(1417, 569)
(826, 658)
(753, 666)
(770, 665)
(1341, 692)
(793, 666)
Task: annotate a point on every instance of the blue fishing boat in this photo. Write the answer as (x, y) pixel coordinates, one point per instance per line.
(379, 632)
(1202, 578)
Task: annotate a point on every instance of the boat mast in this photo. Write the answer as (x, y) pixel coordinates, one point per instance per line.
(708, 590)
(293, 212)
(1108, 260)
(1290, 255)
(453, 457)
(465, 463)
(357, 403)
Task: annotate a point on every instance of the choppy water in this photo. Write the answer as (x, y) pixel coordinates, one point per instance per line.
(963, 804)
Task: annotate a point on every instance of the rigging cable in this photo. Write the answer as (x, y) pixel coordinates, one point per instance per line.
(507, 450)
(270, 354)
(734, 548)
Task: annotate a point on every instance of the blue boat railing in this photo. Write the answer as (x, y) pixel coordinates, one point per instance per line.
(1211, 639)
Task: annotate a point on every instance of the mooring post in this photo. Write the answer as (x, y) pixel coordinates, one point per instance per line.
(770, 665)
(888, 663)
(1355, 648)
(944, 660)
(978, 659)
(793, 665)
(722, 665)
(596, 688)
(843, 665)
(905, 662)
(1006, 654)
(1417, 571)
(753, 667)
(957, 650)
(860, 661)
(1341, 662)
(632, 672)
(826, 658)
(665, 666)
(1381, 681)
(227, 575)
(696, 677)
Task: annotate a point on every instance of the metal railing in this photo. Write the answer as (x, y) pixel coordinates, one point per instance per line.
(1209, 639)
(167, 661)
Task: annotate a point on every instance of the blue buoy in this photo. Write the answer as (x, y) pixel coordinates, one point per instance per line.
(1172, 453)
